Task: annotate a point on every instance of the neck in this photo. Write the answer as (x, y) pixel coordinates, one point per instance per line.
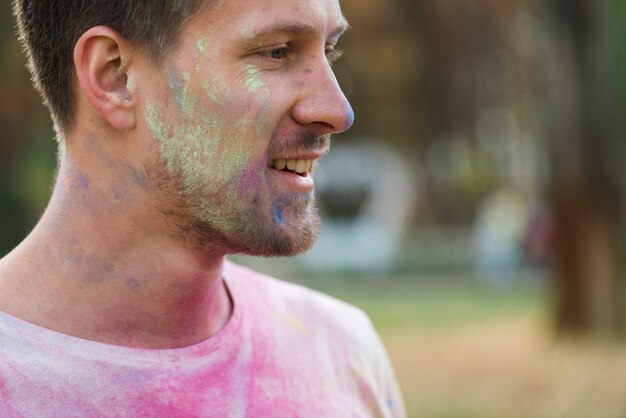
(102, 265)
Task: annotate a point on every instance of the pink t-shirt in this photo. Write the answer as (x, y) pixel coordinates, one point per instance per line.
(287, 351)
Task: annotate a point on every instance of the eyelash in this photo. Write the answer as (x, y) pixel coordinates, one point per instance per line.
(270, 52)
(332, 54)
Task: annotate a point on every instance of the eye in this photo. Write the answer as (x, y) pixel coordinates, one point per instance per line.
(277, 53)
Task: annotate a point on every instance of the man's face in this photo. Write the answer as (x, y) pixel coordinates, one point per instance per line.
(249, 90)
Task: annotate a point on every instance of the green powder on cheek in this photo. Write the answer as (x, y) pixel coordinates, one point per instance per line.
(255, 85)
(207, 150)
(261, 120)
(247, 34)
(204, 151)
(217, 90)
(159, 130)
(253, 81)
(179, 86)
(201, 45)
(202, 52)
(210, 90)
(180, 82)
(188, 103)
(235, 152)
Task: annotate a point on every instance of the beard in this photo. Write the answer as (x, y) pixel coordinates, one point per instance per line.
(255, 230)
(218, 220)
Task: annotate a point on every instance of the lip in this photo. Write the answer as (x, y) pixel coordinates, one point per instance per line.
(289, 181)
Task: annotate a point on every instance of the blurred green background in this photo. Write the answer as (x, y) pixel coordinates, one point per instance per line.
(478, 219)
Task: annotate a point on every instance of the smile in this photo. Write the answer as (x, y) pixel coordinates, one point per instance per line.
(298, 166)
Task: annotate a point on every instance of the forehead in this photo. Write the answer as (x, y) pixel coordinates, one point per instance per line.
(246, 18)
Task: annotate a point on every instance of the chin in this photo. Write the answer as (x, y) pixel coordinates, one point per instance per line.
(285, 244)
(270, 239)
(263, 236)
(287, 227)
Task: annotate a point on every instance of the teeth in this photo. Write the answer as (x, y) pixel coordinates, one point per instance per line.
(280, 164)
(299, 166)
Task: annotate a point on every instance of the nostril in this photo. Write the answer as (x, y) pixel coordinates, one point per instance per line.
(326, 126)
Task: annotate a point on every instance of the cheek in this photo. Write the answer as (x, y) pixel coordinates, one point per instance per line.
(216, 131)
(252, 178)
(244, 134)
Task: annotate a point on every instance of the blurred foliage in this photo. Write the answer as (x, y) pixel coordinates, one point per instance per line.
(460, 87)
(617, 65)
(27, 149)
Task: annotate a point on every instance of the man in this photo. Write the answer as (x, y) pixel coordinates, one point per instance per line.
(188, 130)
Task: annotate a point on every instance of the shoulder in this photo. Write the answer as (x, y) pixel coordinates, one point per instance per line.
(316, 310)
(326, 325)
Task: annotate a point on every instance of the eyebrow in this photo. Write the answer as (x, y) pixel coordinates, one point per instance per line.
(295, 28)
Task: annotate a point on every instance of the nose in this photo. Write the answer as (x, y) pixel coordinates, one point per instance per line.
(322, 106)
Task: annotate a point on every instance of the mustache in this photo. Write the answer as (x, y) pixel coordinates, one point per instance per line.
(299, 144)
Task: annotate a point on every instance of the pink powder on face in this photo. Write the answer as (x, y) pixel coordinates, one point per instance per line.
(253, 177)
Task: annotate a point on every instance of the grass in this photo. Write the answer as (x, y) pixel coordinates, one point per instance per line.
(434, 303)
(465, 350)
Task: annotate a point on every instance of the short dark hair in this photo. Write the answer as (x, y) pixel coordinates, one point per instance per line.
(49, 30)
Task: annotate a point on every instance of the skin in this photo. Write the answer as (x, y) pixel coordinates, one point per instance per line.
(166, 171)
(225, 116)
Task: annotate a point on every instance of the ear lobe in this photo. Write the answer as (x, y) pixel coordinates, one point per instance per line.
(101, 68)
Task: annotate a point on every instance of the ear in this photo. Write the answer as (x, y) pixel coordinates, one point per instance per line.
(101, 59)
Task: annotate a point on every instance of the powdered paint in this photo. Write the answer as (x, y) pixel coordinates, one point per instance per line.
(218, 90)
(98, 269)
(205, 148)
(262, 122)
(132, 283)
(82, 180)
(246, 34)
(179, 82)
(278, 215)
(208, 147)
(285, 351)
(198, 150)
(131, 84)
(158, 129)
(240, 379)
(202, 52)
(253, 81)
(215, 126)
(179, 85)
(252, 175)
(202, 44)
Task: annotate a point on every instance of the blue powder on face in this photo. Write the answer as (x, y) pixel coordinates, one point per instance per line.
(140, 178)
(132, 283)
(278, 215)
(83, 181)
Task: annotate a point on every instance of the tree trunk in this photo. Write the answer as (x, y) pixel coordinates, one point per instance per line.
(585, 181)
